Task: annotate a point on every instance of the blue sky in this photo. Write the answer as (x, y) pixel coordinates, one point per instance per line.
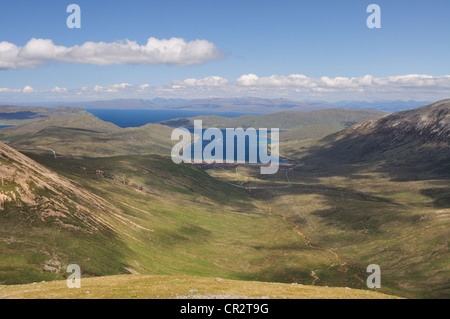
(261, 38)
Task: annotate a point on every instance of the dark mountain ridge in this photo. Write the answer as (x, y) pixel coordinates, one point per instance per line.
(417, 139)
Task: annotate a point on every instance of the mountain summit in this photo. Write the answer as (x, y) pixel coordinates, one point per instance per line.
(430, 124)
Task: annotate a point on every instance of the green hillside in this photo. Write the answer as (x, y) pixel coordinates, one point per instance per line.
(87, 136)
(16, 115)
(46, 220)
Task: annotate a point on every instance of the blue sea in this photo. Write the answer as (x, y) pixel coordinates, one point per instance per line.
(223, 139)
(136, 118)
(3, 126)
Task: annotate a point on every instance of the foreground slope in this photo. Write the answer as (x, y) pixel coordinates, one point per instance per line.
(173, 287)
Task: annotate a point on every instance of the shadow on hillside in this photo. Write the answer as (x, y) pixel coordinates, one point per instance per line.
(407, 159)
(440, 196)
(184, 122)
(329, 277)
(356, 220)
(292, 247)
(184, 234)
(24, 115)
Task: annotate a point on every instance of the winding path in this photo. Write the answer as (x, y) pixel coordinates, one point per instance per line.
(310, 243)
(296, 229)
(335, 254)
(358, 273)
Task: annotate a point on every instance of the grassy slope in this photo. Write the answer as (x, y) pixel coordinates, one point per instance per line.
(170, 287)
(45, 219)
(16, 115)
(85, 122)
(87, 136)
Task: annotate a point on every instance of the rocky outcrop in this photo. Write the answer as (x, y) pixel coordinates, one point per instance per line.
(28, 186)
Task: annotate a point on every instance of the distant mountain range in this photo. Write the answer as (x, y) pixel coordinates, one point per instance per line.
(242, 105)
(385, 106)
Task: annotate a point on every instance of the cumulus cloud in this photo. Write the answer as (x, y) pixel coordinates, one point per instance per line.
(276, 81)
(28, 89)
(57, 89)
(174, 51)
(210, 81)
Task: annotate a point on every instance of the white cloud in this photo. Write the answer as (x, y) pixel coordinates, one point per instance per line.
(58, 90)
(294, 86)
(210, 81)
(248, 80)
(28, 89)
(276, 81)
(174, 51)
(366, 82)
